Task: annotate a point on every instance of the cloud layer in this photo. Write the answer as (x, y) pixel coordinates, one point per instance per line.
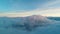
(27, 23)
(46, 12)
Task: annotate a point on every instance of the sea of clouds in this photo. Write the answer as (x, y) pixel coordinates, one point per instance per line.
(29, 25)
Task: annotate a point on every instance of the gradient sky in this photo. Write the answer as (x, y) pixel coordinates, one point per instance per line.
(30, 7)
(12, 5)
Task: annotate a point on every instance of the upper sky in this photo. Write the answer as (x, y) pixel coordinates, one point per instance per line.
(15, 5)
(30, 5)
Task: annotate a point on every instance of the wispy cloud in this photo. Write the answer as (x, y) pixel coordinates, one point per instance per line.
(46, 12)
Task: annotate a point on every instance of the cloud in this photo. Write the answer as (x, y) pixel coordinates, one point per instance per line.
(46, 12)
(27, 23)
(9, 21)
(53, 3)
(50, 4)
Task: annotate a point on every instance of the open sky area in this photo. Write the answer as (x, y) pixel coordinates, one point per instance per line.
(13, 8)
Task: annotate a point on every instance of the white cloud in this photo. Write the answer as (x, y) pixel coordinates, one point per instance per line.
(46, 12)
(50, 4)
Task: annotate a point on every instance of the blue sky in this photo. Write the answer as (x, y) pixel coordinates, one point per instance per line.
(44, 7)
(15, 5)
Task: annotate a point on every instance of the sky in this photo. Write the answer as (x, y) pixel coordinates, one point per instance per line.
(13, 8)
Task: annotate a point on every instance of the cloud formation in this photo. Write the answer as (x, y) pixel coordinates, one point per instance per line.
(27, 23)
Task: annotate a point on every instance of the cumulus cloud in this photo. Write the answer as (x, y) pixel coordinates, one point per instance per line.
(27, 23)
